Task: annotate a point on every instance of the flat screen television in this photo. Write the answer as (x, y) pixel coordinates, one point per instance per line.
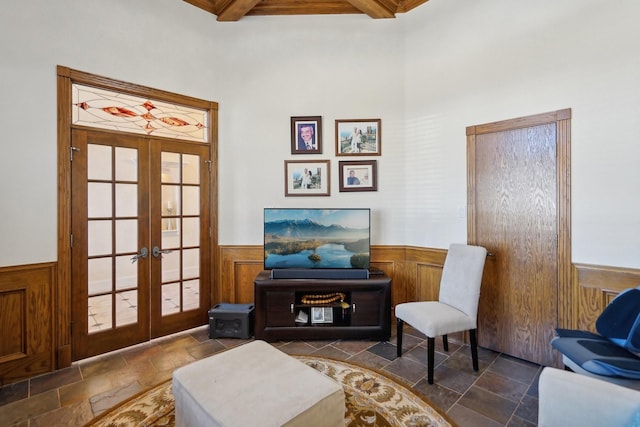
(317, 238)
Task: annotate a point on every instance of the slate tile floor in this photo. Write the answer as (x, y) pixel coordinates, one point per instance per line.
(503, 392)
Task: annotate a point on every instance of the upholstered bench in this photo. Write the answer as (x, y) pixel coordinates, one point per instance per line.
(255, 385)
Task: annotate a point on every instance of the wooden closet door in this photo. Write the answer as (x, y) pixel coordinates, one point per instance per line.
(514, 212)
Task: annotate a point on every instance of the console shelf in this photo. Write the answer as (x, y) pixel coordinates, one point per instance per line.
(283, 310)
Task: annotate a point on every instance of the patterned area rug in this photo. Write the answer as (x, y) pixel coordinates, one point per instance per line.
(372, 399)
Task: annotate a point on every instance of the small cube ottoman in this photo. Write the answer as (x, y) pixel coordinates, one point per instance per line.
(255, 385)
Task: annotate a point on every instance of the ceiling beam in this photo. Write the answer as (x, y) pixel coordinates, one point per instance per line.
(374, 8)
(236, 9)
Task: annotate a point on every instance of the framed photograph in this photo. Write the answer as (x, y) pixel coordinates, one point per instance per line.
(321, 315)
(306, 135)
(358, 137)
(306, 178)
(358, 175)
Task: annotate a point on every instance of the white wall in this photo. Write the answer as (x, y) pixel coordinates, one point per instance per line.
(471, 62)
(427, 74)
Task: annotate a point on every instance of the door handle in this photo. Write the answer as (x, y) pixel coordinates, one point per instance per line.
(143, 254)
(156, 252)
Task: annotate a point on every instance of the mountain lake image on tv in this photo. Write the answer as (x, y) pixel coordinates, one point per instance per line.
(316, 238)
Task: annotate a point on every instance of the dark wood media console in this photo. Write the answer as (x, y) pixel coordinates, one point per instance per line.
(298, 309)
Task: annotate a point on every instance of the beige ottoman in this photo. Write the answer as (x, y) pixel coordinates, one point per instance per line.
(255, 385)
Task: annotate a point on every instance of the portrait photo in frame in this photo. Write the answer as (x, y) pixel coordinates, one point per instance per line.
(306, 135)
(358, 175)
(359, 137)
(306, 178)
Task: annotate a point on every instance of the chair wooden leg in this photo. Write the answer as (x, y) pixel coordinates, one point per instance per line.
(430, 357)
(445, 343)
(473, 343)
(400, 323)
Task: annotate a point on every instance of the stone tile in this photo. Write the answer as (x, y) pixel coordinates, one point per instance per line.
(110, 398)
(354, 347)
(172, 359)
(455, 379)
(444, 398)
(13, 392)
(77, 414)
(205, 349)
(141, 352)
(384, 349)
(528, 409)
(516, 421)
(516, 369)
(407, 370)
(466, 417)
(502, 386)
(369, 360)
(22, 410)
(297, 348)
(331, 352)
(471, 398)
(85, 389)
(54, 380)
(488, 404)
(201, 334)
(177, 342)
(318, 343)
(102, 365)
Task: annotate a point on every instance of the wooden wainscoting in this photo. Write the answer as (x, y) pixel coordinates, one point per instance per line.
(27, 298)
(414, 272)
(594, 287)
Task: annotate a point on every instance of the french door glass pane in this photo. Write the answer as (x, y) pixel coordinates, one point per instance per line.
(126, 308)
(171, 266)
(190, 169)
(99, 200)
(191, 263)
(191, 295)
(126, 273)
(180, 201)
(99, 275)
(191, 231)
(170, 298)
(126, 164)
(191, 201)
(112, 277)
(99, 162)
(100, 313)
(126, 200)
(127, 235)
(99, 240)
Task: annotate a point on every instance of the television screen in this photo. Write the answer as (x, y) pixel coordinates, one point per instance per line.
(316, 238)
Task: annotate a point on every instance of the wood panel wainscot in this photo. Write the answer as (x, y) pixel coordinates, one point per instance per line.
(595, 287)
(27, 295)
(415, 272)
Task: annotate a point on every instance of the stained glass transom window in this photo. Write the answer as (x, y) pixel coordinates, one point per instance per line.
(95, 107)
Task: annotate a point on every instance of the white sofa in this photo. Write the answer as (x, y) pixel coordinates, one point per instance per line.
(570, 399)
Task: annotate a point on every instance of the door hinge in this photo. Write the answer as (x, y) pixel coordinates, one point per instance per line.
(71, 240)
(72, 149)
(208, 162)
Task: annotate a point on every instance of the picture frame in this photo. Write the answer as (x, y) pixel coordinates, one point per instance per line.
(321, 315)
(367, 131)
(306, 135)
(306, 178)
(361, 175)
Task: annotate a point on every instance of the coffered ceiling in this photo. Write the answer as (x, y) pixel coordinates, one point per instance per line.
(234, 10)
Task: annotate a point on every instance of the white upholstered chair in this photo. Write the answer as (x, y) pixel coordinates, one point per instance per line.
(457, 307)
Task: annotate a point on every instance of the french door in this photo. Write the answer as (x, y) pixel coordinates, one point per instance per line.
(140, 238)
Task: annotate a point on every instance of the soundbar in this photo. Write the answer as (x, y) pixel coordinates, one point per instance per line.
(319, 273)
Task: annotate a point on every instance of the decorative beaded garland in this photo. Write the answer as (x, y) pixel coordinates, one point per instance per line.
(323, 298)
